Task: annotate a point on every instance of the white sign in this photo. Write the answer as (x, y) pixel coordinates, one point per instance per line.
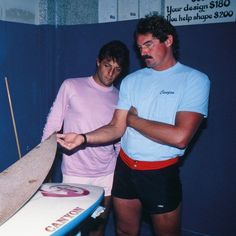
(190, 12)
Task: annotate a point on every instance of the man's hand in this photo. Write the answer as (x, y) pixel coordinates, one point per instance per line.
(70, 140)
(132, 114)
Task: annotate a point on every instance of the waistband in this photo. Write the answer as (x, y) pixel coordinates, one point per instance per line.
(146, 165)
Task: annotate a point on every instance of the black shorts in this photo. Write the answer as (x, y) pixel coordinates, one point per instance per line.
(159, 191)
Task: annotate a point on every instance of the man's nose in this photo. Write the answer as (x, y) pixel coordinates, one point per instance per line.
(111, 72)
(143, 51)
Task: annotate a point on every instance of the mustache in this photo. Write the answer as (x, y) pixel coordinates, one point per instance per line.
(146, 57)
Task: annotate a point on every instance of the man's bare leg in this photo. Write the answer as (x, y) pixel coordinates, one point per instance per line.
(128, 215)
(99, 223)
(167, 224)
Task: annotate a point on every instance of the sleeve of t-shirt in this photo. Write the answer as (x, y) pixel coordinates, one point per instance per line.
(124, 100)
(196, 94)
(57, 112)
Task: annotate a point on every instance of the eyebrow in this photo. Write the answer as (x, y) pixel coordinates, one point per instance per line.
(148, 41)
(108, 62)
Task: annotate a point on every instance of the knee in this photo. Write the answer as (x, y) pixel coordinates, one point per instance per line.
(126, 231)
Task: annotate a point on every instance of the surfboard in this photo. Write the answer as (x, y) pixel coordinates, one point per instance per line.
(20, 181)
(55, 209)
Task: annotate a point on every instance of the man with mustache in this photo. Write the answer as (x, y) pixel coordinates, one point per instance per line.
(84, 104)
(160, 108)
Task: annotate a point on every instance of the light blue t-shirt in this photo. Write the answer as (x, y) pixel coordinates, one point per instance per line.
(159, 95)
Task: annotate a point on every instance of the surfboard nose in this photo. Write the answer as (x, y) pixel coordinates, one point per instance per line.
(20, 181)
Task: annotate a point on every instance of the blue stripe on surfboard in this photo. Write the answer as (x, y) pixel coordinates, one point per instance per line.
(77, 220)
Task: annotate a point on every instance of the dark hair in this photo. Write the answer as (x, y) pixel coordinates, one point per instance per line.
(160, 28)
(118, 52)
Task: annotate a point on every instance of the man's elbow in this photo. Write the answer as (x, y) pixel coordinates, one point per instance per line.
(181, 142)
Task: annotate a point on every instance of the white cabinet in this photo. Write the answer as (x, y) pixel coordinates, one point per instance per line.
(128, 9)
(107, 11)
(149, 6)
(119, 10)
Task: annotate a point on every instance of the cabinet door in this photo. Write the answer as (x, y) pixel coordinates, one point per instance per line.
(19, 11)
(127, 9)
(149, 6)
(107, 10)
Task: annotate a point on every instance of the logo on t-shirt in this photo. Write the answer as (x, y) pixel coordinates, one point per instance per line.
(167, 92)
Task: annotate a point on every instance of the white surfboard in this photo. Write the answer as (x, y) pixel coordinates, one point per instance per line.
(55, 209)
(21, 180)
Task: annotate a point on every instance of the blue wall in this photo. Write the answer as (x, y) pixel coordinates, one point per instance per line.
(27, 59)
(36, 59)
(208, 173)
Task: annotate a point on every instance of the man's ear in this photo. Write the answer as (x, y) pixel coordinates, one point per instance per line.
(169, 40)
(97, 62)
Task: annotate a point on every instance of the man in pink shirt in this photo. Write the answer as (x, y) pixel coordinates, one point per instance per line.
(85, 104)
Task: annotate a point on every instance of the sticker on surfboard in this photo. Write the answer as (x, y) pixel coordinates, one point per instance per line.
(63, 190)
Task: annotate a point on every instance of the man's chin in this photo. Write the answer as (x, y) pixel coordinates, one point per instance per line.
(108, 84)
(149, 65)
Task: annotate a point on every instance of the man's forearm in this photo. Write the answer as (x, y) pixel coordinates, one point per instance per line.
(156, 131)
(110, 132)
(105, 134)
(177, 135)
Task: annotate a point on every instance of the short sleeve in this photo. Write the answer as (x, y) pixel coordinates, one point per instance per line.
(124, 102)
(196, 93)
